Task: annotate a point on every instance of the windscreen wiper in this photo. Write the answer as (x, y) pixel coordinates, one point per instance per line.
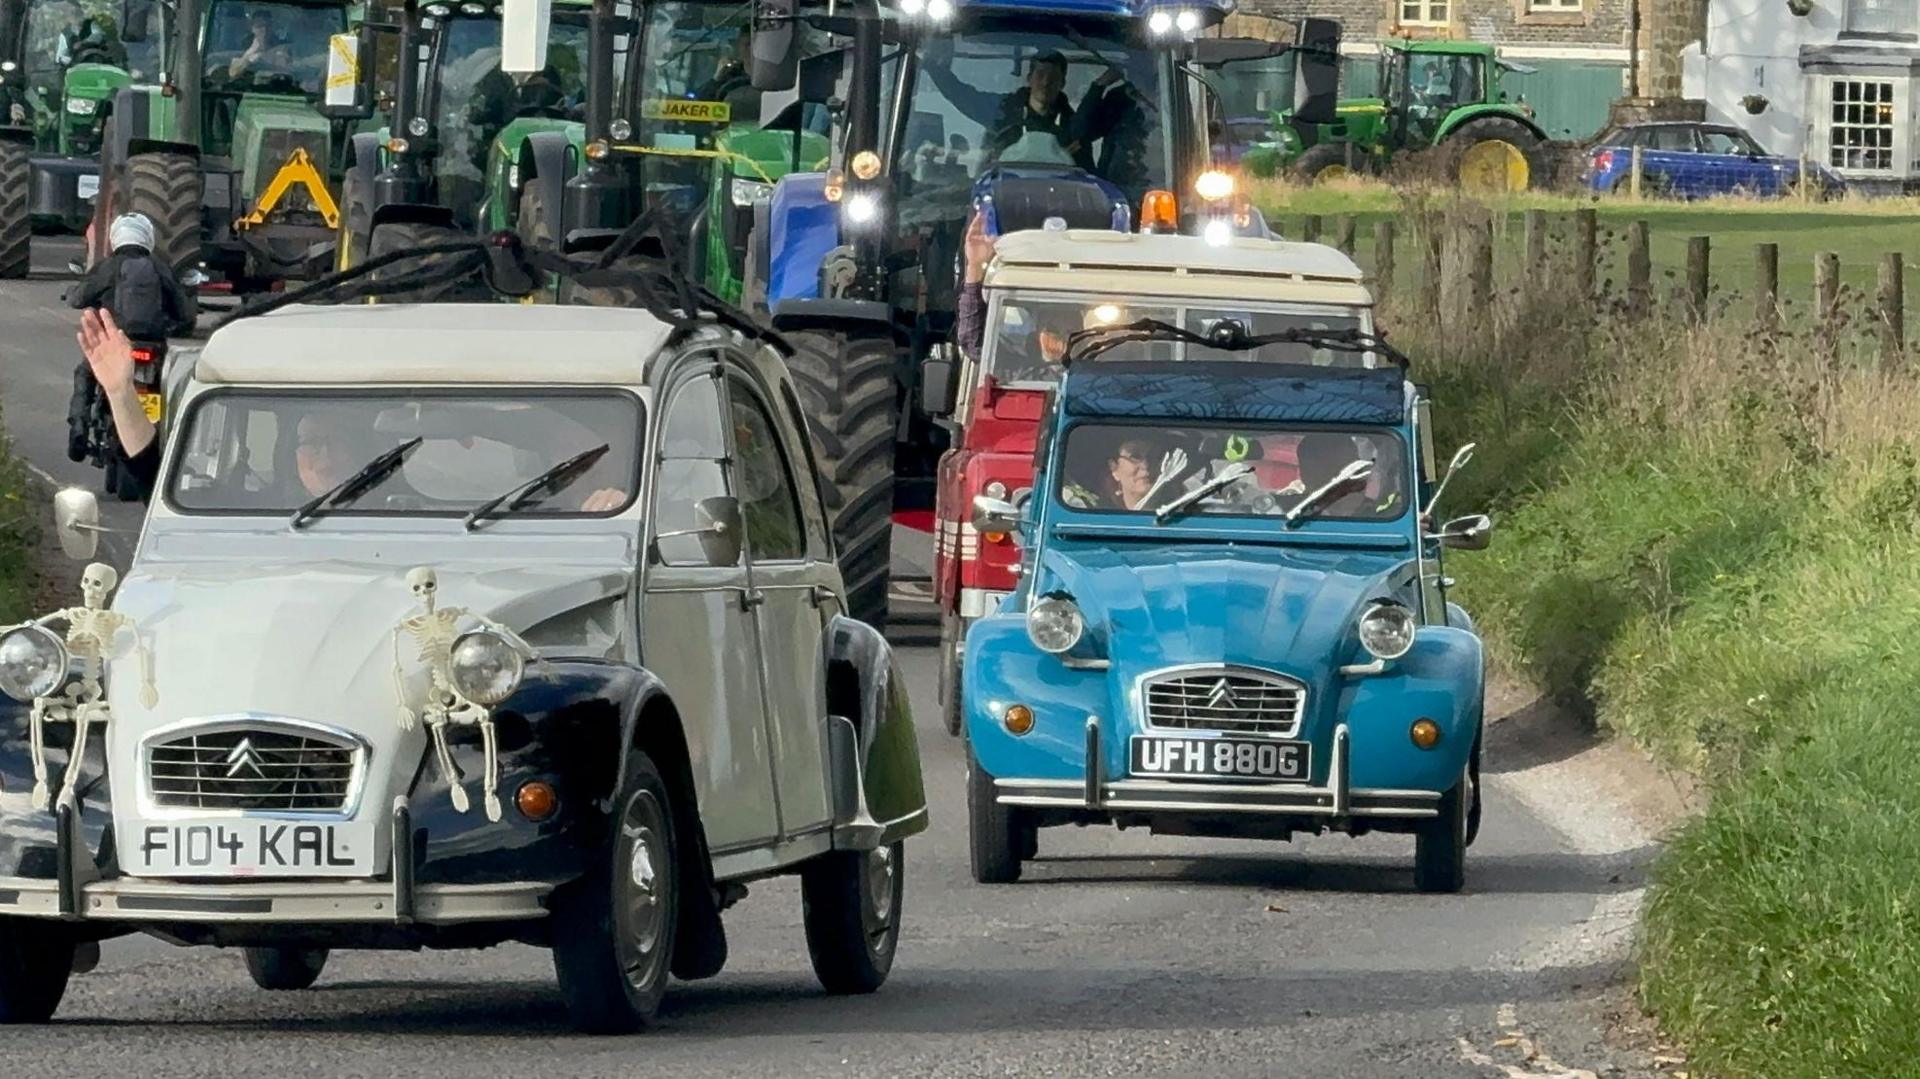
(537, 489)
(1228, 336)
(355, 485)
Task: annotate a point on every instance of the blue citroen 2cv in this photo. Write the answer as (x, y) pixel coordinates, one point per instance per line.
(1232, 617)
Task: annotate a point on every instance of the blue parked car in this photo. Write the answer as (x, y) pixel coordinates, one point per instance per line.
(1695, 160)
(1230, 621)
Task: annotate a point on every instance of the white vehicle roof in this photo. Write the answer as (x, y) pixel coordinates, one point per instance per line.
(364, 344)
(1136, 264)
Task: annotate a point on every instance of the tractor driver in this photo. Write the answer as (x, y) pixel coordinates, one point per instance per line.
(267, 52)
(1040, 105)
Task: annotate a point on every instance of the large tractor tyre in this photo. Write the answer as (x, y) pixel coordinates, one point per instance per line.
(168, 189)
(35, 962)
(356, 221)
(1440, 844)
(850, 902)
(441, 280)
(16, 225)
(846, 386)
(534, 224)
(613, 930)
(285, 970)
(1496, 155)
(1325, 163)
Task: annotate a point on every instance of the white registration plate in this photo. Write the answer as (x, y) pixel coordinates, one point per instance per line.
(87, 186)
(1220, 758)
(243, 847)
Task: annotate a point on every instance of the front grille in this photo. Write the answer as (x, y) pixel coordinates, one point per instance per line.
(1229, 702)
(252, 769)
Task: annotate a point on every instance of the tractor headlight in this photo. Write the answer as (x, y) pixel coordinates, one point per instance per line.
(83, 106)
(621, 129)
(485, 668)
(1386, 630)
(1055, 624)
(862, 208)
(418, 127)
(33, 662)
(747, 192)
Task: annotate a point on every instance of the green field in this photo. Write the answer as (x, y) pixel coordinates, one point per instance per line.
(1858, 230)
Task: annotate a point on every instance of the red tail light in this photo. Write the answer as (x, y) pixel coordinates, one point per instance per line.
(142, 355)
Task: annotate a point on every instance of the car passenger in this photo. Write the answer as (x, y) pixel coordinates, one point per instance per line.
(1322, 455)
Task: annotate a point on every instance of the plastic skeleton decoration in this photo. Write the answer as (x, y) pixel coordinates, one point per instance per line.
(91, 630)
(433, 631)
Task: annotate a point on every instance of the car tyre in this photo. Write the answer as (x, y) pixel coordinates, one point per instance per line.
(1440, 846)
(998, 836)
(850, 902)
(35, 963)
(952, 632)
(613, 930)
(285, 969)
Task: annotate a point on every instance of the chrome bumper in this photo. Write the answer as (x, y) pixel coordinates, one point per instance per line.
(1335, 800)
(78, 893)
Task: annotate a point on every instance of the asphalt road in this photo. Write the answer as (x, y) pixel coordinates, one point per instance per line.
(1120, 953)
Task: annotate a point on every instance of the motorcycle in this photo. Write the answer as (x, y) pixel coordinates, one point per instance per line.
(90, 432)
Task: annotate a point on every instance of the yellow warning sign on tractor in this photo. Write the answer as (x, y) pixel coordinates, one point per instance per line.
(692, 112)
(298, 170)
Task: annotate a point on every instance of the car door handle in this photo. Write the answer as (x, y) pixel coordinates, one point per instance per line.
(751, 598)
(821, 595)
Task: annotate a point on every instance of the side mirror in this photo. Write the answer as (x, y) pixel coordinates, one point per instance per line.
(350, 71)
(1471, 533)
(774, 63)
(523, 35)
(994, 514)
(1316, 71)
(76, 521)
(940, 381)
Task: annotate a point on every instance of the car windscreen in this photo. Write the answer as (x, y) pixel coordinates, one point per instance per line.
(1136, 468)
(270, 452)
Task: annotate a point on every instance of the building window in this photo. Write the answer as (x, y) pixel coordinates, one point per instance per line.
(1425, 12)
(1881, 17)
(1557, 7)
(1861, 125)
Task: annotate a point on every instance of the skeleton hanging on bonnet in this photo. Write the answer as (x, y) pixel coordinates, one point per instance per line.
(433, 631)
(91, 630)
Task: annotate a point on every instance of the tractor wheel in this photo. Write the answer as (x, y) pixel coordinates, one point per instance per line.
(846, 385)
(444, 282)
(356, 221)
(16, 226)
(168, 189)
(1496, 155)
(1323, 163)
(534, 225)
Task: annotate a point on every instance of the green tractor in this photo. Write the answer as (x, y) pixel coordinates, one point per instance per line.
(230, 153)
(1443, 94)
(441, 168)
(59, 64)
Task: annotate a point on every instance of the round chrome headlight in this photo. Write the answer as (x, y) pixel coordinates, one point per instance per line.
(418, 127)
(1055, 624)
(33, 662)
(485, 668)
(1386, 630)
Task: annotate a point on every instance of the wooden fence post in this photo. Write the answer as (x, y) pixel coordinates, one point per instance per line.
(1639, 268)
(1826, 286)
(1699, 259)
(1466, 285)
(1766, 284)
(1344, 233)
(1536, 241)
(1893, 310)
(1429, 248)
(1586, 250)
(1383, 259)
(1633, 179)
(1310, 229)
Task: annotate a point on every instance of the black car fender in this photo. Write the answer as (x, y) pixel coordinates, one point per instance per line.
(879, 793)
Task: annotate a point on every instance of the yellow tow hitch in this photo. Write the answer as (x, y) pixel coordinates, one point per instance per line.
(298, 170)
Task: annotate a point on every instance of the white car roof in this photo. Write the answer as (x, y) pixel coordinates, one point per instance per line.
(435, 343)
(1092, 260)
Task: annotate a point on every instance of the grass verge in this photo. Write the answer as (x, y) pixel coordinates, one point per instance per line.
(1710, 540)
(19, 536)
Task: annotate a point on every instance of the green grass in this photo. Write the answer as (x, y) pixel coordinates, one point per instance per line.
(1711, 542)
(19, 533)
(1858, 230)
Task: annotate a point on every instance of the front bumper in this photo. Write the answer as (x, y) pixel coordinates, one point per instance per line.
(1338, 799)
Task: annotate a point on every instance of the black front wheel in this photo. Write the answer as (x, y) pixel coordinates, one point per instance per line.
(285, 969)
(613, 931)
(851, 905)
(35, 962)
(999, 837)
(1440, 846)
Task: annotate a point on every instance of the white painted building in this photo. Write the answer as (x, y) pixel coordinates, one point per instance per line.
(1840, 83)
